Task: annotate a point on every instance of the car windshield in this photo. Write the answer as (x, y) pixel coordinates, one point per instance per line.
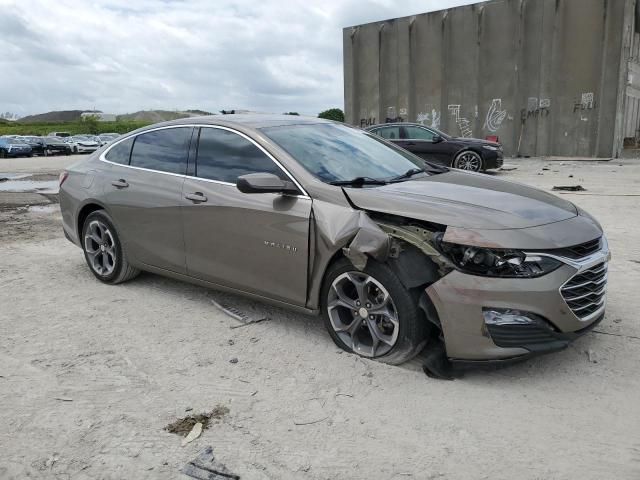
(335, 153)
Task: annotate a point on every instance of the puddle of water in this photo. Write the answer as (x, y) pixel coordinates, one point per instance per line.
(45, 208)
(29, 186)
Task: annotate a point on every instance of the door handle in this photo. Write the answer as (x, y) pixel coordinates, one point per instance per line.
(121, 183)
(197, 197)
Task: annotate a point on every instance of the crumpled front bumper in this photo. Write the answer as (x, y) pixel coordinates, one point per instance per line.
(460, 300)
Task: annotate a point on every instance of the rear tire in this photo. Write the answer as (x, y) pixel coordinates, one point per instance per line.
(356, 323)
(103, 250)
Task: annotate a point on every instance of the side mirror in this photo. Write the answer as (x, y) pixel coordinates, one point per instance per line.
(436, 139)
(264, 183)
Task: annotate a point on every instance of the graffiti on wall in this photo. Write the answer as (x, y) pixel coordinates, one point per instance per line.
(536, 108)
(367, 118)
(587, 102)
(393, 117)
(495, 116)
(429, 119)
(464, 125)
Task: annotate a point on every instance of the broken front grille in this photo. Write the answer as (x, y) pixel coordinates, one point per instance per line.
(580, 251)
(585, 293)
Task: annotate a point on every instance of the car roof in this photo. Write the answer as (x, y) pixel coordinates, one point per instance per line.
(396, 124)
(251, 120)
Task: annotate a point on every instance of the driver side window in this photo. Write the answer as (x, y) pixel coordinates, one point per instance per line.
(417, 133)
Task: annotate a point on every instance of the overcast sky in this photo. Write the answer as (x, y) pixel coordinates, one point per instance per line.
(120, 56)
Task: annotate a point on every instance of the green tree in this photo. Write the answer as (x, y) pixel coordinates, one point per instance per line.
(91, 122)
(332, 114)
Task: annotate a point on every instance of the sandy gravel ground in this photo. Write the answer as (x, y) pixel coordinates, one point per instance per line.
(91, 374)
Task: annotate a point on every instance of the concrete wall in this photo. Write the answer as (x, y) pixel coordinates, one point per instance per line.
(548, 77)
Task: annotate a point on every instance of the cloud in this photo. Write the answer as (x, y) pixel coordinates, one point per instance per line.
(121, 56)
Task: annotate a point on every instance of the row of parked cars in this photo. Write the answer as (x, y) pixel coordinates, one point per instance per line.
(56, 143)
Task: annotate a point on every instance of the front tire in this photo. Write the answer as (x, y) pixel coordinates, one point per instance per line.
(469, 161)
(371, 313)
(103, 250)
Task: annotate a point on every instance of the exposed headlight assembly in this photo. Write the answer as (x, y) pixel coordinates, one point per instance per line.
(491, 262)
(491, 147)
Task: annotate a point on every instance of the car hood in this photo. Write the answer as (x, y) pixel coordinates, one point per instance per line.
(466, 200)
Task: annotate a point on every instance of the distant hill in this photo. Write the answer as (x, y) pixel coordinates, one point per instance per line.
(56, 116)
(154, 116)
(150, 116)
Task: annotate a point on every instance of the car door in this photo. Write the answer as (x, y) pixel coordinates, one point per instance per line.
(424, 143)
(256, 243)
(144, 195)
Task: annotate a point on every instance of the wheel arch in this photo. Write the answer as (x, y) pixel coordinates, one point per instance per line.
(87, 209)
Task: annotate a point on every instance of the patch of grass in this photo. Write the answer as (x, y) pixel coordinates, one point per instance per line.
(74, 128)
(183, 426)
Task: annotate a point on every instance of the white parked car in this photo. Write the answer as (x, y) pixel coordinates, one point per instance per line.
(82, 144)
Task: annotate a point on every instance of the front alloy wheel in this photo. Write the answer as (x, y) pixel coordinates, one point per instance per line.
(371, 313)
(469, 161)
(363, 314)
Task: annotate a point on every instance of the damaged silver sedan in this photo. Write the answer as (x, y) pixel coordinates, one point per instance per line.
(397, 254)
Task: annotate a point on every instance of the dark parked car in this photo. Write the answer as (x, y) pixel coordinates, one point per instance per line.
(430, 144)
(55, 146)
(11, 147)
(325, 218)
(37, 144)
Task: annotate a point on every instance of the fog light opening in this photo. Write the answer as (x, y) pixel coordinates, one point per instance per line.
(498, 316)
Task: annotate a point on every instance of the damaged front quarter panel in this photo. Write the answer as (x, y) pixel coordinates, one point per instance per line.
(407, 247)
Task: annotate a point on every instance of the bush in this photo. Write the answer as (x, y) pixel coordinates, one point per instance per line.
(332, 114)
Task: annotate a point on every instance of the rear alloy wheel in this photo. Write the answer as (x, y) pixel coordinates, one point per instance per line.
(468, 160)
(103, 251)
(372, 314)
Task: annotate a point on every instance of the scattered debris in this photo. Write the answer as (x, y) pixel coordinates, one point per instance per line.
(254, 340)
(4, 179)
(570, 176)
(635, 261)
(617, 320)
(188, 409)
(231, 342)
(507, 168)
(615, 334)
(591, 356)
(344, 395)
(258, 320)
(183, 426)
(545, 168)
(238, 315)
(195, 432)
(570, 188)
(310, 422)
(63, 399)
(233, 360)
(205, 467)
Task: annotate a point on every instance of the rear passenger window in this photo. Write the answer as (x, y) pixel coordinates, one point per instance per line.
(390, 133)
(224, 156)
(120, 152)
(163, 150)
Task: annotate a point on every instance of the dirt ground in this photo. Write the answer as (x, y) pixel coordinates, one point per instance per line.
(90, 375)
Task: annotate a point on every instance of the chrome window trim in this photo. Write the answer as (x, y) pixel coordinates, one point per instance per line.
(103, 158)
